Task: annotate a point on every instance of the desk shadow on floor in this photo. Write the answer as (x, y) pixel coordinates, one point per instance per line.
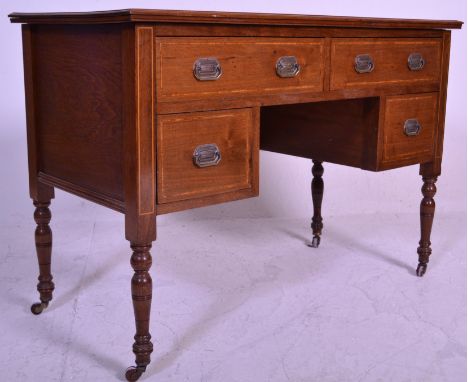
(68, 296)
(233, 292)
(87, 281)
(340, 237)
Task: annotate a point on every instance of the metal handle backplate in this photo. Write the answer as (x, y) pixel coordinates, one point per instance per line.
(363, 63)
(412, 127)
(416, 61)
(287, 66)
(207, 69)
(206, 155)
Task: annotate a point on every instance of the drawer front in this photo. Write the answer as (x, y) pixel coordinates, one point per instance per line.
(384, 62)
(207, 153)
(246, 66)
(409, 127)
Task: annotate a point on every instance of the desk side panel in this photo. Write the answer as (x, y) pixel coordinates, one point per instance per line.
(78, 100)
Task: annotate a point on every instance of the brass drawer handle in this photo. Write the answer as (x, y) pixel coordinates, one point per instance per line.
(207, 69)
(363, 63)
(287, 66)
(206, 155)
(412, 127)
(416, 61)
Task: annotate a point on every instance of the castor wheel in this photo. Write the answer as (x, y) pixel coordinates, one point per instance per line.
(134, 372)
(421, 269)
(315, 242)
(38, 307)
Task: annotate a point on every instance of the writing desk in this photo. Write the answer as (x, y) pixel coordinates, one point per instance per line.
(149, 112)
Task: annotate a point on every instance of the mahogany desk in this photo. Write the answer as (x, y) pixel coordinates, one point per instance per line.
(148, 112)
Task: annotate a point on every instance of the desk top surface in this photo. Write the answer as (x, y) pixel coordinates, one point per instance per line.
(173, 16)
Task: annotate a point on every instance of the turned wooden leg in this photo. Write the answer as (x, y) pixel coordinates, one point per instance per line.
(43, 237)
(317, 196)
(427, 216)
(141, 295)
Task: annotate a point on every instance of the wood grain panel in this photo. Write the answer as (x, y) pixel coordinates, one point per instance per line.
(343, 132)
(248, 66)
(397, 145)
(145, 122)
(78, 95)
(390, 59)
(284, 98)
(140, 224)
(435, 167)
(233, 131)
(277, 31)
(82, 192)
(37, 190)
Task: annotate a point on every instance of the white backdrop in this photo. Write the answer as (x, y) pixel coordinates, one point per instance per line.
(285, 181)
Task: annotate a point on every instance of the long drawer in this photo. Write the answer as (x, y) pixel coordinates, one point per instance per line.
(202, 68)
(359, 62)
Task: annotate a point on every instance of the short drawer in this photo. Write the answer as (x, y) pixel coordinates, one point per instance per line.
(236, 66)
(361, 62)
(207, 153)
(409, 127)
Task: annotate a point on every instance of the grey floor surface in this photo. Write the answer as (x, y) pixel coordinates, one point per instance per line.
(242, 300)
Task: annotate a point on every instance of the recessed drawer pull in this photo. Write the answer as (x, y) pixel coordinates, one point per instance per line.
(287, 66)
(363, 63)
(416, 61)
(207, 69)
(206, 155)
(412, 127)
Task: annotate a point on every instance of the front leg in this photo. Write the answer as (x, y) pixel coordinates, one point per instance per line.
(317, 196)
(142, 286)
(427, 216)
(141, 232)
(43, 239)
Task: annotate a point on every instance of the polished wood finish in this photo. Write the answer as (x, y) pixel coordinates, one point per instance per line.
(248, 67)
(43, 239)
(427, 216)
(317, 196)
(365, 133)
(139, 177)
(344, 132)
(238, 18)
(33, 151)
(233, 131)
(142, 286)
(390, 57)
(145, 120)
(434, 167)
(81, 191)
(279, 31)
(287, 98)
(78, 105)
(114, 114)
(397, 145)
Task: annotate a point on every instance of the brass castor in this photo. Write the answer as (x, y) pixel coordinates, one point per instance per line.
(315, 242)
(421, 269)
(38, 307)
(134, 372)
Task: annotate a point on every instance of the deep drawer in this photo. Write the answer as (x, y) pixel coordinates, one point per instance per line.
(207, 153)
(375, 62)
(409, 127)
(236, 66)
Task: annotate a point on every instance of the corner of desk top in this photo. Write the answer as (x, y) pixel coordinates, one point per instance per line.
(239, 18)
